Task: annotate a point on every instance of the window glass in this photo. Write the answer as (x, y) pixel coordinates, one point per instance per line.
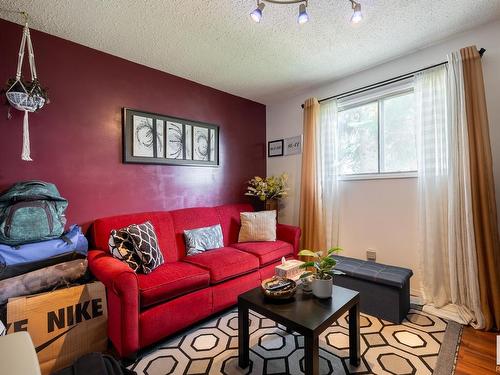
(399, 138)
(378, 137)
(359, 139)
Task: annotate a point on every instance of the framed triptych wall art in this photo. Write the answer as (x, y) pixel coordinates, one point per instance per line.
(150, 138)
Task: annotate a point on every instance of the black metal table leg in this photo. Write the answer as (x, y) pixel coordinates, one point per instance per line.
(354, 356)
(243, 336)
(311, 354)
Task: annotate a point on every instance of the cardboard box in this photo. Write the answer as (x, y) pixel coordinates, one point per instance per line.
(63, 324)
(290, 269)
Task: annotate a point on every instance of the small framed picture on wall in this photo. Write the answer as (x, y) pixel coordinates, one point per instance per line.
(275, 148)
(293, 145)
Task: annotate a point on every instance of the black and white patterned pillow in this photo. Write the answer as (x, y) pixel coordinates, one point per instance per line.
(122, 248)
(3, 330)
(146, 246)
(202, 239)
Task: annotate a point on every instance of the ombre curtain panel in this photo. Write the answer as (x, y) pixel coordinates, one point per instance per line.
(460, 243)
(319, 199)
(484, 211)
(447, 251)
(311, 209)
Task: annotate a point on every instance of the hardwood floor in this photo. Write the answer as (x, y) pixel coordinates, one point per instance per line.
(477, 353)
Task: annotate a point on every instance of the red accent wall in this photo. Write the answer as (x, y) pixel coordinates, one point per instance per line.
(76, 140)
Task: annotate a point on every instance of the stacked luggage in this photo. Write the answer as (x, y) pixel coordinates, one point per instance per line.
(35, 253)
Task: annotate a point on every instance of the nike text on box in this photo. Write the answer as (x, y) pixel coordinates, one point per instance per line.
(64, 324)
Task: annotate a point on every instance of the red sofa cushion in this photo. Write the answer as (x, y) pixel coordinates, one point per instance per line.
(226, 294)
(229, 216)
(224, 263)
(170, 280)
(162, 222)
(191, 218)
(167, 318)
(268, 251)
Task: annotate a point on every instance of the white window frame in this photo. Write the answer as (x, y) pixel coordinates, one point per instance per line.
(379, 98)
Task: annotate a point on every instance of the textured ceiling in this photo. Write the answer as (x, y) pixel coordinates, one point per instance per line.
(215, 43)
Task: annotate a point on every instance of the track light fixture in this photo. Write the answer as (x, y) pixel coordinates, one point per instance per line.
(303, 17)
(356, 15)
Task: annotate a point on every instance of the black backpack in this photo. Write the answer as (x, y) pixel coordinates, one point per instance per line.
(95, 364)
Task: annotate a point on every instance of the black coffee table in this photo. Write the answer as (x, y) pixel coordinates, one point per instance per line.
(304, 314)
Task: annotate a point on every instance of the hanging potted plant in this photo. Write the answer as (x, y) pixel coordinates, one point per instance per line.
(268, 190)
(24, 95)
(321, 277)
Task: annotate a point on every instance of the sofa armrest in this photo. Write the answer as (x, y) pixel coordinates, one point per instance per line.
(290, 234)
(110, 270)
(123, 300)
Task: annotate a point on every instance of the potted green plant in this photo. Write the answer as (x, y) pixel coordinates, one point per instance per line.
(324, 270)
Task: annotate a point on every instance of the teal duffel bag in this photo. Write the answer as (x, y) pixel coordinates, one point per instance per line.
(31, 211)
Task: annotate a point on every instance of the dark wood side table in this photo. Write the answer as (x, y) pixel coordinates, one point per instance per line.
(304, 314)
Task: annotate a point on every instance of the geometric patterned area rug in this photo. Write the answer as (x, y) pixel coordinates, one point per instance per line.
(412, 347)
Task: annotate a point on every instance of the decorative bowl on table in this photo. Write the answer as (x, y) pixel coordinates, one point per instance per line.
(278, 287)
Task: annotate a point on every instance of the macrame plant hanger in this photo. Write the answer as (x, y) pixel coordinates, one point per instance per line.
(26, 96)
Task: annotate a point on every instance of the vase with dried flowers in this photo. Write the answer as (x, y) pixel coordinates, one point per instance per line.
(268, 190)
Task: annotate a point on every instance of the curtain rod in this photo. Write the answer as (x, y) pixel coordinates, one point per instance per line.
(386, 81)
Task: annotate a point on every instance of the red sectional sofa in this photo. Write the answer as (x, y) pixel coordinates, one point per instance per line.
(144, 309)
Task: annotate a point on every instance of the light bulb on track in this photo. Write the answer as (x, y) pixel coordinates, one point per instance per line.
(303, 16)
(257, 12)
(357, 16)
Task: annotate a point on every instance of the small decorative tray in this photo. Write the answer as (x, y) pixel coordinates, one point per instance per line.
(278, 287)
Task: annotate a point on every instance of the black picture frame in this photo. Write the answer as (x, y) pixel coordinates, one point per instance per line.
(272, 144)
(175, 144)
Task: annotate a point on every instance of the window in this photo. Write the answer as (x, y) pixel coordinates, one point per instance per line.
(377, 135)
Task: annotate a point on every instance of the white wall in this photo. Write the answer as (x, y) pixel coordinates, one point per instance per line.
(382, 214)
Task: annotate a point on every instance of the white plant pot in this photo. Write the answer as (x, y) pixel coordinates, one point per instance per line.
(322, 288)
(307, 285)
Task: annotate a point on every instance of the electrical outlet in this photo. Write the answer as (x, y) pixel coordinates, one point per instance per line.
(371, 255)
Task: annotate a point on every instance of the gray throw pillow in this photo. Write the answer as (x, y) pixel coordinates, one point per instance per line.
(202, 239)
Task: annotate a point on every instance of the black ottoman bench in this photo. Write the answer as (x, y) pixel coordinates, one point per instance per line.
(384, 290)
